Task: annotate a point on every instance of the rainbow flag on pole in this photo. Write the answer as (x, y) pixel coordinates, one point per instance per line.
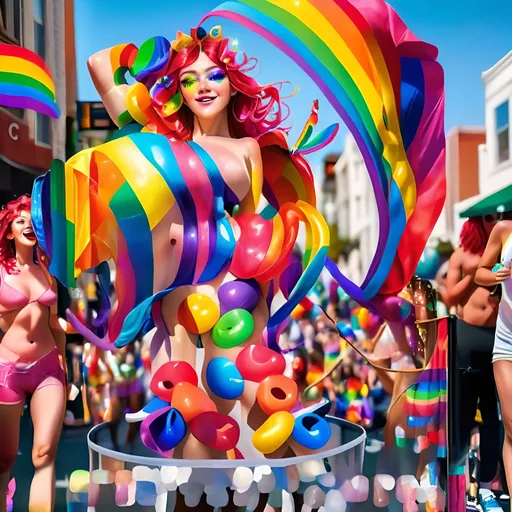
(26, 81)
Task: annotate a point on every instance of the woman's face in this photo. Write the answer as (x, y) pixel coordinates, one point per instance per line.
(205, 88)
(21, 230)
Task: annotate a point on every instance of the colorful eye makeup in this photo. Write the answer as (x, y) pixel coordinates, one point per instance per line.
(188, 81)
(217, 76)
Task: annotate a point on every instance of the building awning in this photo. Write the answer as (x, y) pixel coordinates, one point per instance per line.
(30, 170)
(500, 201)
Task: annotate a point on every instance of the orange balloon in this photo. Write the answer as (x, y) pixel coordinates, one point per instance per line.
(363, 317)
(190, 401)
(277, 393)
(297, 312)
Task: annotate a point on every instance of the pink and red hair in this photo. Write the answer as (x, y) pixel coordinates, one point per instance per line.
(11, 211)
(254, 110)
(473, 236)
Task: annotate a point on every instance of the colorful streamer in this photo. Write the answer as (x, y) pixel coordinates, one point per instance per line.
(26, 81)
(387, 87)
(426, 399)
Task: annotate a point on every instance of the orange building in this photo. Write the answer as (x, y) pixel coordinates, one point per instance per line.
(461, 168)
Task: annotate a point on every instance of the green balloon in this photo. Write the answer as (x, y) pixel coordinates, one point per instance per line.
(233, 328)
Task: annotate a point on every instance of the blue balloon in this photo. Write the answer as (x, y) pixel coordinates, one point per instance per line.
(311, 431)
(224, 379)
(173, 432)
(155, 404)
(429, 264)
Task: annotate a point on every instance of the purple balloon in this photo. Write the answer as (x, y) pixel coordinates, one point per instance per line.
(239, 295)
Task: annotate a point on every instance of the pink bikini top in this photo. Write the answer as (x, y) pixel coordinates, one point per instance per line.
(12, 299)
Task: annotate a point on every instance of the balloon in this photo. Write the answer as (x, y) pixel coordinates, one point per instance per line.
(224, 379)
(274, 432)
(198, 313)
(257, 362)
(311, 431)
(215, 430)
(190, 401)
(170, 374)
(277, 393)
(363, 318)
(346, 331)
(298, 312)
(239, 294)
(233, 328)
(428, 264)
(162, 430)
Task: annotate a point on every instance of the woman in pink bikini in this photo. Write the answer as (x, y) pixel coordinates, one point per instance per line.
(32, 360)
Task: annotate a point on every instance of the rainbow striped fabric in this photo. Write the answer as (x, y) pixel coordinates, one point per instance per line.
(26, 81)
(387, 87)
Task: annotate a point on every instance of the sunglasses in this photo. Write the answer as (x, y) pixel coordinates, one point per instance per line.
(490, 218)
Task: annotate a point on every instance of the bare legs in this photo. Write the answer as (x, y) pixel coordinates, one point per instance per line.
(47, 409)
(10, 420)
(503, 377)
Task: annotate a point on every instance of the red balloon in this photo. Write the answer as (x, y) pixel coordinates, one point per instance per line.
(215, 430)
(252, 246)
(257, 362)
(169, 375)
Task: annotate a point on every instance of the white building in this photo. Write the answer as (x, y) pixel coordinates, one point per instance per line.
(356, 210)
(495, 156)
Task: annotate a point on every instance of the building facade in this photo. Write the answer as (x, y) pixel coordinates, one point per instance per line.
(356, 211)
(495, 156)
(28, 140)
(462, 177)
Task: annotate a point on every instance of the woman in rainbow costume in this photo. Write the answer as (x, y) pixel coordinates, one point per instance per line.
(176, 201)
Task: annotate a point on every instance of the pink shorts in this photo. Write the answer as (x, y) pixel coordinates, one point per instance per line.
(19, 379)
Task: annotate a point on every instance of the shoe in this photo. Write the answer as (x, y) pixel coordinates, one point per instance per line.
(488, 501)
(473, 505)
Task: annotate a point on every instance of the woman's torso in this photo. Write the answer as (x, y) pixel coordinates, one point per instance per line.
(479, 308)
(230, 158)
(25, 322)
(505, 309)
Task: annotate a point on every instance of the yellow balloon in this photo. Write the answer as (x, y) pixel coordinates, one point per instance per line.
(198, 313)
(364, 391)
(79, 481)
(297, 312)
(274, 432)
(362, 318)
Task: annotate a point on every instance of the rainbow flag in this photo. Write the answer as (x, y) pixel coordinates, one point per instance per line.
(26, 81)
(387, 87)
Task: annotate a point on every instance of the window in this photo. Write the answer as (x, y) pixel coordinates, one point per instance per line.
(11, 12)
(17, 14)
(43, 123)
(39, 27)
(43, 129)
(503, 132)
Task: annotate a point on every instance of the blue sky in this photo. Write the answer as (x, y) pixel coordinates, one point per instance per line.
(472, 35)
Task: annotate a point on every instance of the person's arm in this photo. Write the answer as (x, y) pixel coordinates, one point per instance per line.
(458, 288)
(484, 275)
(57, 329)
(112, 95)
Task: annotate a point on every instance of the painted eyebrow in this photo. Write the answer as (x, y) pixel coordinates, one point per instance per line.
(194, 72)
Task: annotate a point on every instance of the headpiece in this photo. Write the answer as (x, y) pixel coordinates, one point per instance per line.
(197, 36)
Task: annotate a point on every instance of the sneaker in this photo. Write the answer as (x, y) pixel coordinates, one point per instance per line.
(471, 504)
(488, 501)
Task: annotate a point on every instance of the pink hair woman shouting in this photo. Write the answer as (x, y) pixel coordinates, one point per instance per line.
(32, 360)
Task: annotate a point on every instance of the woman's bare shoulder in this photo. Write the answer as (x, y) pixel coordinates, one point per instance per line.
(503, 229)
